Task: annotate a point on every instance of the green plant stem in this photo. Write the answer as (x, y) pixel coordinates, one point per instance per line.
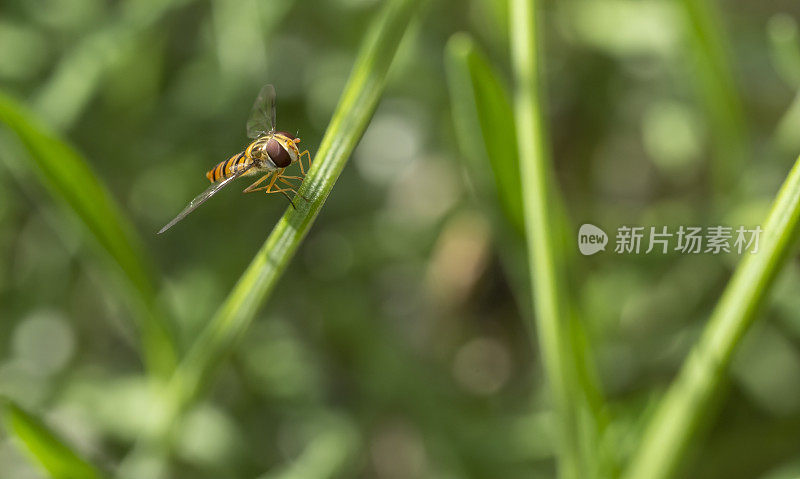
(546, 264)
(689, 400)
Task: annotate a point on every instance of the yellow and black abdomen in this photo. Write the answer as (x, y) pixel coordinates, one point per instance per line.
(228, 167)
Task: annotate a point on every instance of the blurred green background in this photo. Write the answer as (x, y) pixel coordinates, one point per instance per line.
(395, 345)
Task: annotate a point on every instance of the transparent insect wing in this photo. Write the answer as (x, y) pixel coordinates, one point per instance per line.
(202, 198)
(262, 116)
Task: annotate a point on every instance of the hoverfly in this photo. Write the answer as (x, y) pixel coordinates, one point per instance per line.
(269, 154)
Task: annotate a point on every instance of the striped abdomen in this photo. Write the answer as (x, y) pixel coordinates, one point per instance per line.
(228, 167)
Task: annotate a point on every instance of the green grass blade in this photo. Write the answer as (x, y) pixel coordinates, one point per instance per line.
(717, 88)
(351, 117)
(68, 177)
(44, 447)
(484, 124)
(484, 127)
(689, 400)
(544, 232)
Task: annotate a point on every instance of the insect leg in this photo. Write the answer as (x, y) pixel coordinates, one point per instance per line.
(300, 160)
(285, 179)
(275, 190)
(283, 192)
(269, 189)
(292, 187)
(275, 176)
(252, 187)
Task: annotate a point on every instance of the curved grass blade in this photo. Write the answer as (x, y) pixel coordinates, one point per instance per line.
(44, 447)
(690, 399)
(484, 123)
(484, 127)
(70, 180)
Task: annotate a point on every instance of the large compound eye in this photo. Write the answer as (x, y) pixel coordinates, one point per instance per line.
(286, 134)
(278, 155)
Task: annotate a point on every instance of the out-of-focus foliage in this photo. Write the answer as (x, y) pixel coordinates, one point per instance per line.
(393, 346)
(71, 181)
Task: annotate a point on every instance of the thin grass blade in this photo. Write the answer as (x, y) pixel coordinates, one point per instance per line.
(553, 327)
(44, 447)
(690, 400)
(484, 127)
